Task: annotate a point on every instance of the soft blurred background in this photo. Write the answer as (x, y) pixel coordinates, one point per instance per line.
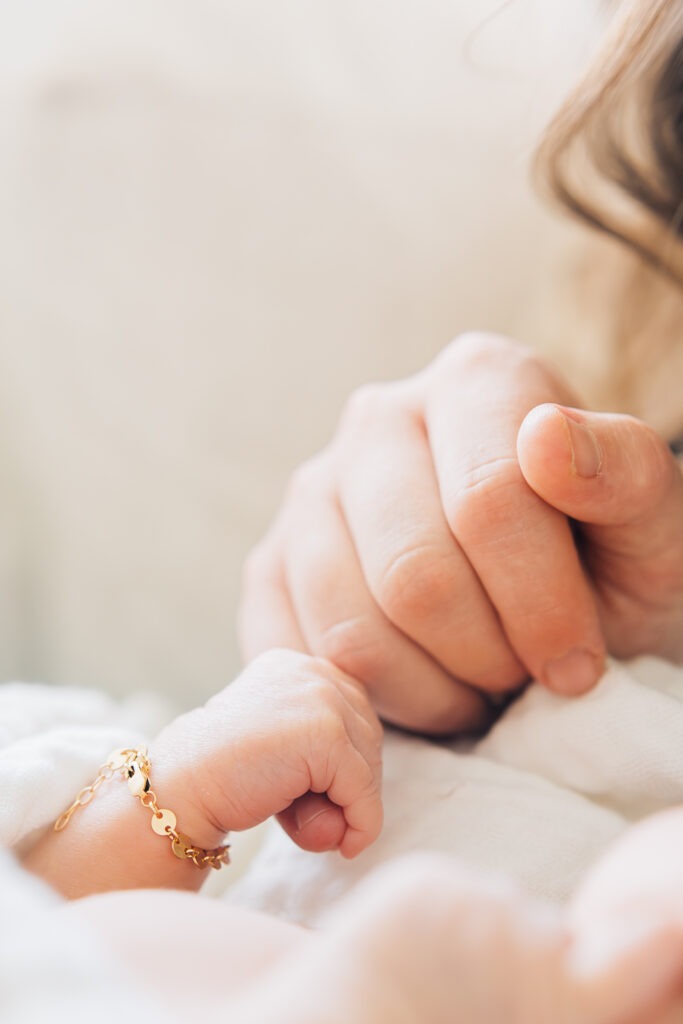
(217, 218)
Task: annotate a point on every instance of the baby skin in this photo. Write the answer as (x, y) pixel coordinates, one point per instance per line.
(291, 730)
(420, 940)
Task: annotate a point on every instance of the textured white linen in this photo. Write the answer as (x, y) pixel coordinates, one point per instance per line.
(538, 799)
(52, 740)
(57, 975)
(51, 743)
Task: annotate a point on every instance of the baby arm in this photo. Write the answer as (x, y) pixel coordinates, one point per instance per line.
(289, 727)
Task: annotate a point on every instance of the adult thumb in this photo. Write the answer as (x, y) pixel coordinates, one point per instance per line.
(614, 475)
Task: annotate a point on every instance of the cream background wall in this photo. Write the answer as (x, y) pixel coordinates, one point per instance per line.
(217, 218)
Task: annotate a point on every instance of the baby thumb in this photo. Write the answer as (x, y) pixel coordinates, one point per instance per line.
(314, 823)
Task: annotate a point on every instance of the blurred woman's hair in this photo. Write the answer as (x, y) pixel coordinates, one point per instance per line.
(614, 153)
(613, 156)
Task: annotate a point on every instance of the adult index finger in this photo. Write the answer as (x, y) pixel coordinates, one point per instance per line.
(477, 394)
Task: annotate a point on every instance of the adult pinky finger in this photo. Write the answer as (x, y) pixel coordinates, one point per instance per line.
(341, 621)
(266, 619)
(266, 616)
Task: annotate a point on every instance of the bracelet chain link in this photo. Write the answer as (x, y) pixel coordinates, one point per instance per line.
(134, 766)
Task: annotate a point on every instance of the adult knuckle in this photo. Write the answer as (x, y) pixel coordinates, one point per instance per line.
(486, 502)
(308, 477)
(257, 564)
(484, 344)
(479, 357)
(656, 471)
(366, 404)
(353, 645)
(472, 348)
(416, 582)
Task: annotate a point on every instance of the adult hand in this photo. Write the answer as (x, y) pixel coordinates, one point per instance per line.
(618, 480)
(626, 921)
(428, 551)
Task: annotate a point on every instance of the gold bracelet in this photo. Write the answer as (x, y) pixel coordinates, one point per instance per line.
(135, 766)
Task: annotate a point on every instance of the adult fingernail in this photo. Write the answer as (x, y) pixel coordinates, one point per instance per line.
(573, 673)
(586, 454)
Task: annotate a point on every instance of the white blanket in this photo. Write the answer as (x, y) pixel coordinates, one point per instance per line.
(538, 799)
(51, 743)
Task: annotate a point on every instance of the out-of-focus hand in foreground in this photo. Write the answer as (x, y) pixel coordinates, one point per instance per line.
(425, 940)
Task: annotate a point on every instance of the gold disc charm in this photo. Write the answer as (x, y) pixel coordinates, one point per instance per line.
(166, 819)
(135, 767)
(181, 845)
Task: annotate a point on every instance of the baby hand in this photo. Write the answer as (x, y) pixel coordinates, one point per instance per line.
(289, 727)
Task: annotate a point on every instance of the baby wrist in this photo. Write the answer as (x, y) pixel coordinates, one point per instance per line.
(135, 767)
